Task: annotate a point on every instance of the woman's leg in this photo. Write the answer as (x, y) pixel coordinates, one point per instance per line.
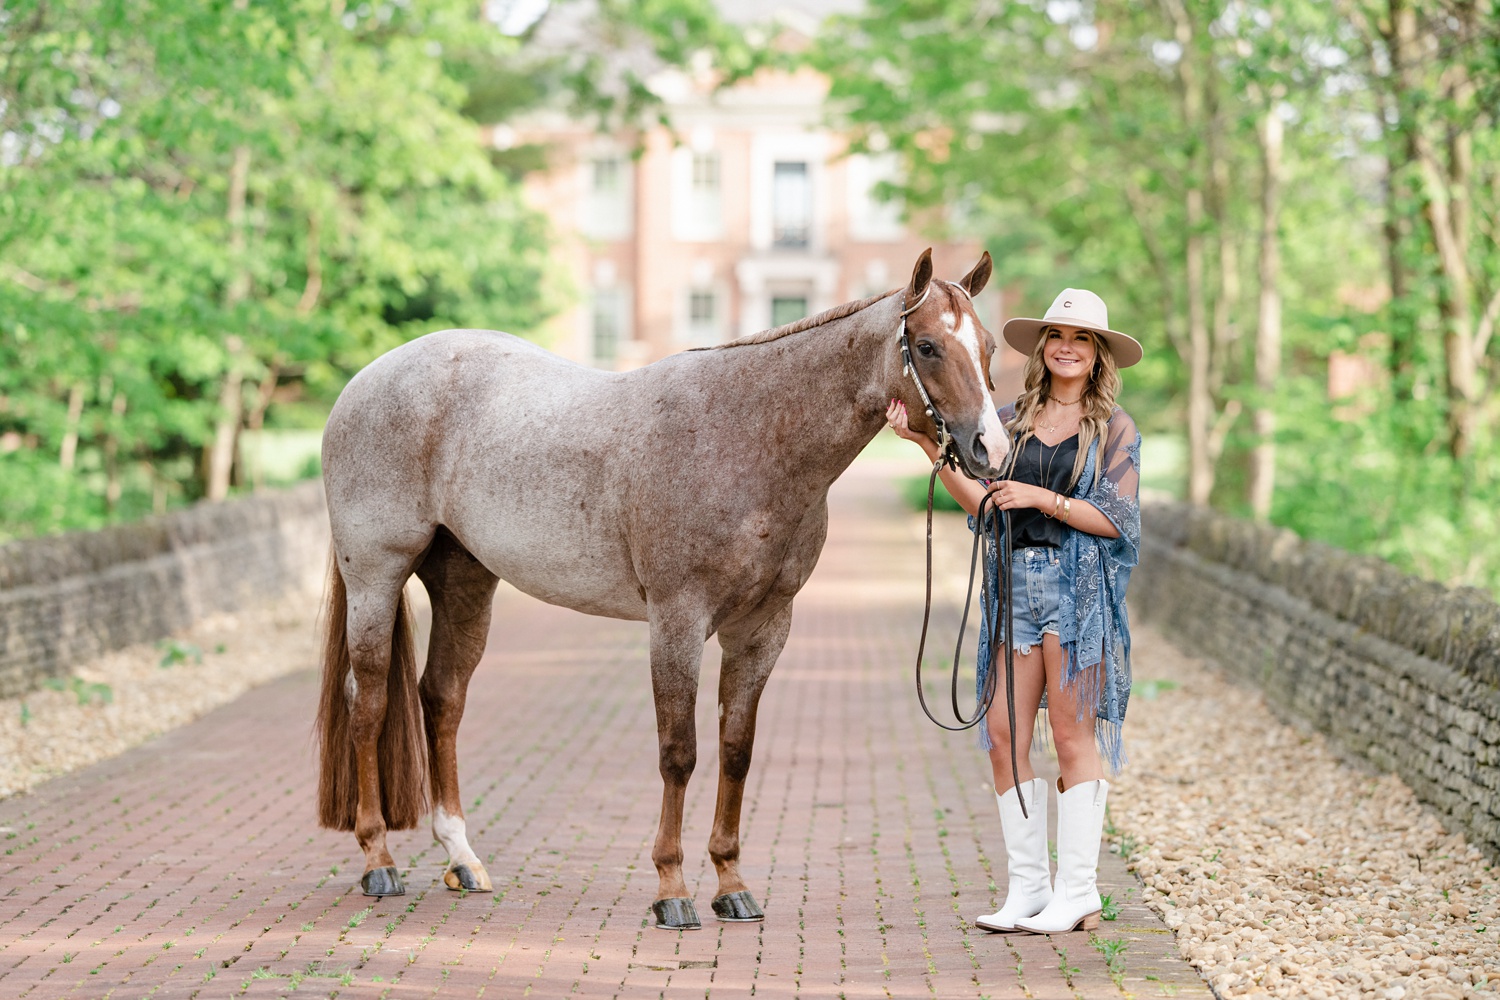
(1077, 750)
(1030, 679)
(1028, 875)
(1082, 795)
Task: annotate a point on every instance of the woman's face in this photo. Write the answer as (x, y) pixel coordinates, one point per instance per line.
(1069, 354)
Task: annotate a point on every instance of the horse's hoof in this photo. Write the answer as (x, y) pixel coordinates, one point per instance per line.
(382, 882)
(738, 908)
(469, 878)
(676, 914)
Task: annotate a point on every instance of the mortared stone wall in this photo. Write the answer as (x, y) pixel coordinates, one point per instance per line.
(67, 598)
(1401, 672)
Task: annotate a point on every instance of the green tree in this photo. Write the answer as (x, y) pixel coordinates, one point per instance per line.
(208, 207)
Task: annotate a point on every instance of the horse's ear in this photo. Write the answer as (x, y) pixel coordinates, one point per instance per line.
(976, 279)
(921, 277)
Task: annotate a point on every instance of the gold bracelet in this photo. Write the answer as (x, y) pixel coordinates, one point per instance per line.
(1067, 510)
(1055, 504)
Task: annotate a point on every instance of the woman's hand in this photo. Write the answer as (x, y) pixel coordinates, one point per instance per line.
(1018, 496)
(895, 414)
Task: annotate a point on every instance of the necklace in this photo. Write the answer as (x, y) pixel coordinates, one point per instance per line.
(1049, 428)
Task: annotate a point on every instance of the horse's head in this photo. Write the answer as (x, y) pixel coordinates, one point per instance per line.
(950, 352)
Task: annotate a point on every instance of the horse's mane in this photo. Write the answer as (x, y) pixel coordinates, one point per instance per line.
(806, 323)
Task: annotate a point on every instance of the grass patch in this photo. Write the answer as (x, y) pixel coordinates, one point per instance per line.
(914, 493)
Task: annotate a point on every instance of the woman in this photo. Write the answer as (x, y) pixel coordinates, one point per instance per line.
(1070, 487)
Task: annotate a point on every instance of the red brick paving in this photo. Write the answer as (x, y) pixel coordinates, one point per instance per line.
(192, 866)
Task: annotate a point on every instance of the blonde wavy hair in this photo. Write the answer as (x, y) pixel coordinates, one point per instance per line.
(1098, 402)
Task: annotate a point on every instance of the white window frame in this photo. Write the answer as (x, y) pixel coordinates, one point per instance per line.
(714, 331)
(697, 209)
(764, 278)
(765, 151)
(617, 298)
(606, 215)
(798, 218)
(872, 220)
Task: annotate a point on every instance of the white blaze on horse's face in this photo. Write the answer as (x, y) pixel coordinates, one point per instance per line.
(991, 432)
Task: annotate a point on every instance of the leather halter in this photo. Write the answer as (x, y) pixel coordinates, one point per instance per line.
(946, 455)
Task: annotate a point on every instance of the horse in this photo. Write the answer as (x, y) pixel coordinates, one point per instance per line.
(690, 493)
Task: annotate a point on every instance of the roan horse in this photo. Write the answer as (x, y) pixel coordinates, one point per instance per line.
(691, 493)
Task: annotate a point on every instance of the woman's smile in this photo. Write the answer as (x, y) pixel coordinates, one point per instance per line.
(1069, 354)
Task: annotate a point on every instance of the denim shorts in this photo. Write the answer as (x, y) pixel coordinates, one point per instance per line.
(1036, 581)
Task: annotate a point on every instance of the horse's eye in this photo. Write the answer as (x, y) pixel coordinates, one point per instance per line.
(925, 348)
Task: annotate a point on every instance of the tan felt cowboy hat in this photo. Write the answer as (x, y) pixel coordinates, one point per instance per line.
(1076, 309)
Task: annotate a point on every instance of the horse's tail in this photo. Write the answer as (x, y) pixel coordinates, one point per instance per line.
(402, 749)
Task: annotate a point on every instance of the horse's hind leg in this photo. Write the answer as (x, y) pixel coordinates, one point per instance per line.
(676, 655)
(383, 726)
(462, 592)
(748, 659)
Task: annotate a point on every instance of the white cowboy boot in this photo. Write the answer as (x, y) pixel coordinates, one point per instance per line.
(1075, 897)
(1026, 862)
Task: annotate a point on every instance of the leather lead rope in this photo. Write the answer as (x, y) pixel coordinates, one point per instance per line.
(1002, 547)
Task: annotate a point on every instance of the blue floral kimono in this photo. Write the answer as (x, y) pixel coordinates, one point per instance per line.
(1092, 623)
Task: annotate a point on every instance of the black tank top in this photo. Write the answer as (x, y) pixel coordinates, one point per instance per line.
(1049, 466)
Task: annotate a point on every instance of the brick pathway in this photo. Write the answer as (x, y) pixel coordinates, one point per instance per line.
(192, 866)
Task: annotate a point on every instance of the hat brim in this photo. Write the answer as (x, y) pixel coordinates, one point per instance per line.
(1022, 333)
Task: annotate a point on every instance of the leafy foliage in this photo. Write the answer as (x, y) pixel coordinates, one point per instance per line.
(202, 196)
(1124, 147)
(914, 493)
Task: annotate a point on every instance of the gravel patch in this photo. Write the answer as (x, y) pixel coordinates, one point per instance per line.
(129, 696)
(1284, 870)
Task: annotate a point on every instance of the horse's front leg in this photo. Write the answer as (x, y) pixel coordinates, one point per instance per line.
(748, 659)
(676, 655)
(462, 593)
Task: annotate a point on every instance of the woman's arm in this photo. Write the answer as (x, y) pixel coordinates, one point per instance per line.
(1080, 513)
(966, 491)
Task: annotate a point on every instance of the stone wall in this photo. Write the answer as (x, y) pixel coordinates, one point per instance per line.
(67, 598)
(1399, 671)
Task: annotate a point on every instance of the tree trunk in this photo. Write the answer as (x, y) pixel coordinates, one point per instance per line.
(1444, 181)
(314, 286)
(1226, 302)
(1396, 229)
(226, 429)
(1200, 404)
(1455, 304)
(256, 418)
(68, 454)
(112, 485)
(1268, 325)
(1200, 396)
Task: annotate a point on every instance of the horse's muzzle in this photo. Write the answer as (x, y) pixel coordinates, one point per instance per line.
(981, 454)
